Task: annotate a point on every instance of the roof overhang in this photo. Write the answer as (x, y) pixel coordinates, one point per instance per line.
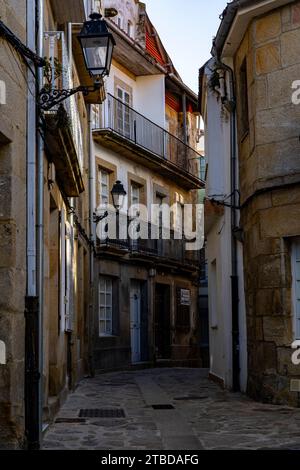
(177, 86)
(69, 10)
(130, 55)
(236, 21)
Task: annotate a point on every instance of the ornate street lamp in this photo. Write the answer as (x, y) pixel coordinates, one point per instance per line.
(97, 45)
(118, 195)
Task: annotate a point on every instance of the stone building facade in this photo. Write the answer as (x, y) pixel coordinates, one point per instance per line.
(270, 198)
(259, 42)
(12, 226)
(45, 289)
(142, 139)
(50, 299)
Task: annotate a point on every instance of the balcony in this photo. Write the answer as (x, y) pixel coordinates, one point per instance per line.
(63, 130)
(122, 129)
(169, 252)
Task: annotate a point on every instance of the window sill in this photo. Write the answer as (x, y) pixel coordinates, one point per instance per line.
(108, 336)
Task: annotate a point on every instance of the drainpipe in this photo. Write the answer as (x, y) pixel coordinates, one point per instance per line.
(92, 206)
(33, 391)
(231, 106)
(40, 215)
(31, 377)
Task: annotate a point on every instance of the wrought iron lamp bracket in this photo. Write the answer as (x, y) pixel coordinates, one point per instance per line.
(48, 99)
(99, 218)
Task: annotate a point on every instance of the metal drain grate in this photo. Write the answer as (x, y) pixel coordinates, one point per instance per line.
(191, 397)
(163, 407)
(69, 420)
(101, 413)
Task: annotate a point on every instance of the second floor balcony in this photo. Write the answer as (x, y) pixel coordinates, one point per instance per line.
(122, 129)
(63, 126)
(163, 247)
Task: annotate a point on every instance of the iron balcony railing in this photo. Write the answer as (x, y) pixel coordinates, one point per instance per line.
(168, 247)
(120, 118)
(60, 77)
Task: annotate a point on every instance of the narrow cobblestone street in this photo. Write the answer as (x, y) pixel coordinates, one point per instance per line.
(199, 415)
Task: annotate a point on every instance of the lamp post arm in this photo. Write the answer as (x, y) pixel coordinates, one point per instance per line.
(50, 98)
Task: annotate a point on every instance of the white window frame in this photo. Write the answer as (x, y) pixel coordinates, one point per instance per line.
(119, 21)
(135, 199)
(123, 113)
(130, 28)
(103, 194)
(107, 317)
(295, 261)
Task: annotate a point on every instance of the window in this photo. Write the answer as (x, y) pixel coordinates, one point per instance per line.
(202, 168)
(105, 307)
(103, 180)
(135, 194)
(183, 317)
(120, 21)
(178, 220)
(296, 285)
(123, 112)
(160, 202)
(244, 119)
(130, 29)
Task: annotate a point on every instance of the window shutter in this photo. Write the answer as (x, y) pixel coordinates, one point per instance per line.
(62, 305)
(296, 270)
(69, 304)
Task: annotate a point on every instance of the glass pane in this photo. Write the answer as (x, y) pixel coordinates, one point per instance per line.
(108, 328)
(126, 98)
(104, 177)
(298, 290)
(95, 53)
(104, 200)
(102, 299)
(102, 313)
(109, 286)
(298, 271)
(298, 251)
(108, 313)
(102, 285)
(298, 331)
(102, 326)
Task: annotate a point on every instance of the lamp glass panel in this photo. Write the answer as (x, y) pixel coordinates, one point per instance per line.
(95, 51)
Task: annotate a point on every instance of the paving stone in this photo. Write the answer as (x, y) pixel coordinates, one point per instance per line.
(222, 421)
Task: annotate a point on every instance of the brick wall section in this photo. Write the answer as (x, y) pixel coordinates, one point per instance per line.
(269, 160)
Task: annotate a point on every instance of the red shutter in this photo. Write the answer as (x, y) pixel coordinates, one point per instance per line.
(152, 48)
(173, 102)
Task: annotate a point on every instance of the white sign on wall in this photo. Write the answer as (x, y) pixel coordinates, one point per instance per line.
(2, 92)
(2, 353)
(185, 297)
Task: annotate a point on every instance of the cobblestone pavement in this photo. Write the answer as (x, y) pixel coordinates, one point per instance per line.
(203, 416)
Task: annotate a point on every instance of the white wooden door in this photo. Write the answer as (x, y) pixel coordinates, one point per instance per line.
(135, 321)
